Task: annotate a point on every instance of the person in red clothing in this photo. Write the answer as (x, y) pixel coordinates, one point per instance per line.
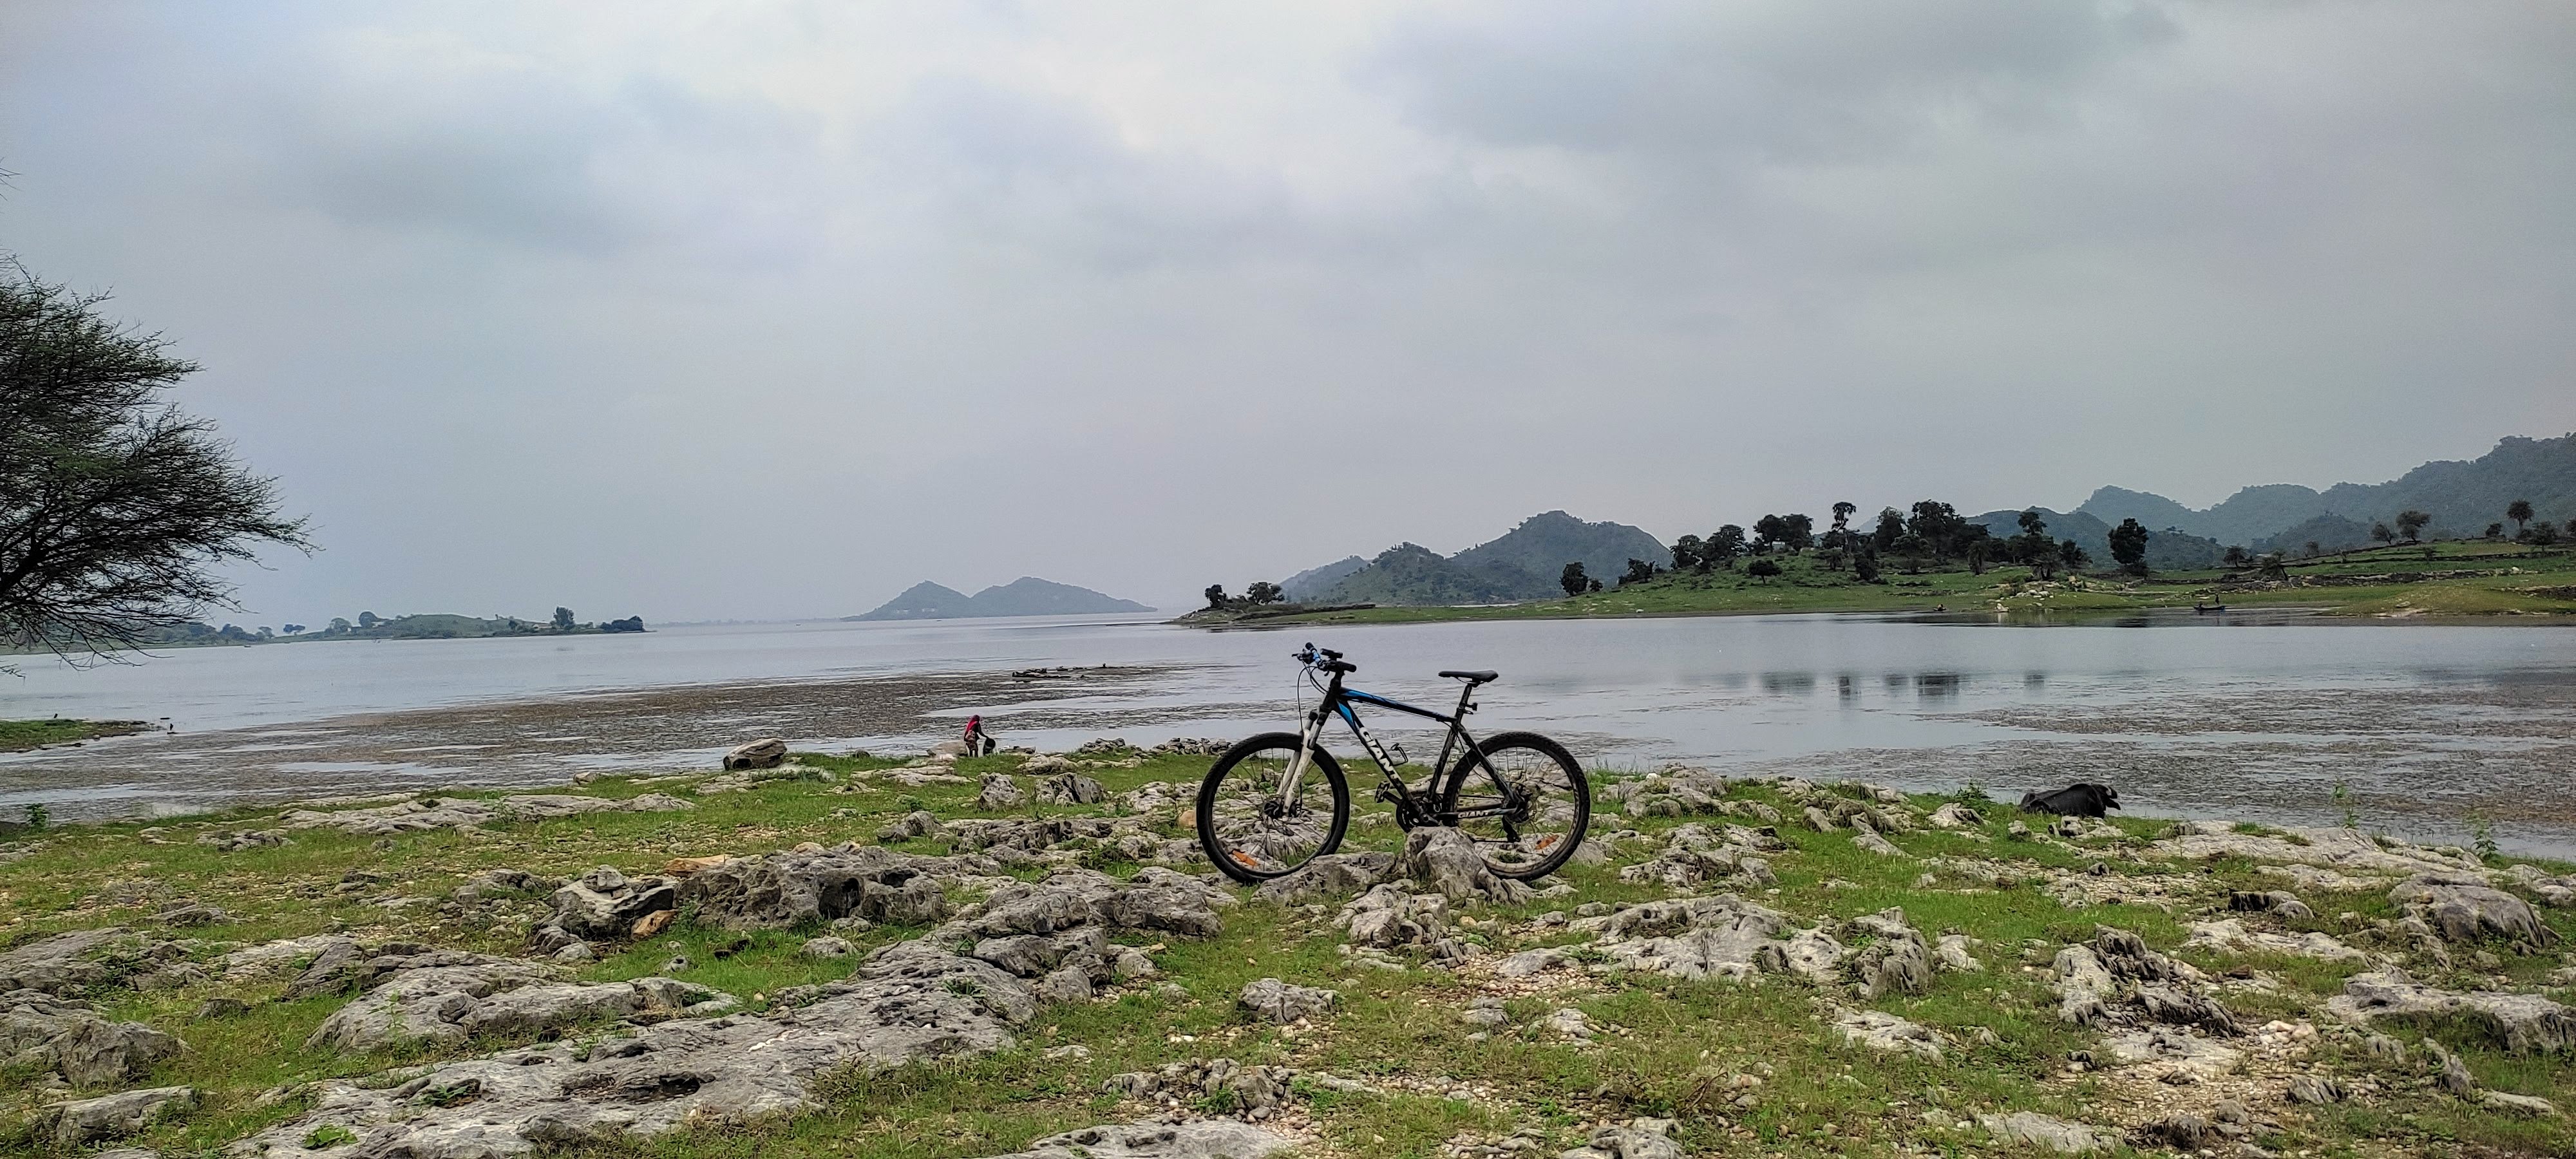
(978, 742)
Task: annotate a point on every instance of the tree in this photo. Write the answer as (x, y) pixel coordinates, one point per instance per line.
(2314, 550)
(2033, 546)
(2410, 524)
(1264, 592)
(1768, 530)
(563, 619)
(293, 629)
(1842, 515)
(2520, 512)
(2495, 531)
(368, 619)
(2380, 532)
(2545, 533)
(1798, 531)
(1724, 545)
(1762, 569)
(1215, 594)
(1686, 554)
(1573, 580)
(2129, 546)
(339, 625)
(1891, 527)
(1592, 585)
(1865, 565)
(116, 508)
(2070, 554)
(1977, 550)
(1639, 571)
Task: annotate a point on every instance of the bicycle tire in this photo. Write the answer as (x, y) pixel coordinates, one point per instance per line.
(1524, 864)
(1235, 861)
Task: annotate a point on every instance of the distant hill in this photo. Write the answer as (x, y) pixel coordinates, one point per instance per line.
(2328, 532)
(1315, 581)
(1522, 564)
(1025, 596)
(2462, 497)
(2167, 550)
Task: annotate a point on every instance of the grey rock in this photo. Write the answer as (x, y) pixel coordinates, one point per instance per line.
(605, 904)
(789, 889)
(1894, 960)
(2041, 1130)
(450, 1004)
(1204, 1139)
(918, 823)
(910, 1001)
(502, 883)
(1275, 1001)
(68, 1038)
(2466, 908)
(1154, 899)
(113, 1116)
(2521, 1023)
(1001, 791)
(827, 947)
(1070, 788)
(1637, 1139)
(2535, 1107)
(1447, 862)
(432, 813)
(1530, 962)
(1388, 917)
(2314, 1088)
(1330, 876)
(1066, 984)
(63, 964)
(1887, 1033)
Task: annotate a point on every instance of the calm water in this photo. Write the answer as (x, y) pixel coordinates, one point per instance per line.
(2423, 725)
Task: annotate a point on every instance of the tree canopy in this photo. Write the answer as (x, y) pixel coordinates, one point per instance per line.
(116, 508)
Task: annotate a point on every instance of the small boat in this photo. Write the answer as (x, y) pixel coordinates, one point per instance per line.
(2205, 609)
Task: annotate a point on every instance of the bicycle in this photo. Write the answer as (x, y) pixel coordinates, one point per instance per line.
(1262, 814)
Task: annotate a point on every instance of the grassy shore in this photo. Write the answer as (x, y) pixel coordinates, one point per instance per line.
(21, 735)
(2495, 580)
(1743, 1068)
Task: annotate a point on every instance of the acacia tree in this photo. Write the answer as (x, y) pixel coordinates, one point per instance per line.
(1264, 592)
(1215, 594)
(1574, 581)
(1722, 546)
(2520, 512)
(116, 508)
(2410, 524)
(1686, 554)
(1798, 531)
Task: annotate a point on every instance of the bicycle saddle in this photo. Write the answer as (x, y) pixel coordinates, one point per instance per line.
(1472, 677)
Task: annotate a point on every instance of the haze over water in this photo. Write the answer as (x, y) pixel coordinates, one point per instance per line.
(2423, 724)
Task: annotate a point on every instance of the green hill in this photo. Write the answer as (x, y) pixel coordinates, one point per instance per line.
(2462, 497)
(1521, 564)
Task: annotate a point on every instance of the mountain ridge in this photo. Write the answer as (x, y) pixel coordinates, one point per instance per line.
(1520, 564)
(2462, 495)
(1025, 596)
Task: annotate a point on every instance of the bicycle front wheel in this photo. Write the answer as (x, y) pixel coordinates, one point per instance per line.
(1524, 802)
(1254, 826)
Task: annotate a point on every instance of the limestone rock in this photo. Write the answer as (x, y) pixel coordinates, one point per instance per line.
(2229, 936)
(918, 823)
(766, 753)
(1953, 953)
(606, 904)
(1888, 1033)
(1204, 1139)
(2538, 1108)
(426, 814)
(1894, 960)
(63, 964)
(1154, 899)
(1069, 788)
(2466, 908)
(113, 1116)
(910, 1001)
(1636, 1139)
(2523, 1023)
(1448, 862)
(2041, 1130)
(1388, 917)
(1275, 1001)
(450, 1004)
(1957, 816)
(1001, 791)
(827, 947)
(1330, 876)
(67, 1037)
(789, 889)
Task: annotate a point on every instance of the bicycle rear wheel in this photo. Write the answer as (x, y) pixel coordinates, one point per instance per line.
(1250, 829)
(1523, 800)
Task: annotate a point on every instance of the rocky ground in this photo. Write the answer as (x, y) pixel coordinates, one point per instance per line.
(1024, 955)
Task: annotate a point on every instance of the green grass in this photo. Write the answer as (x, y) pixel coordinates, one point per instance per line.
(1673, 1048)
(1806, 585)
(21, 735)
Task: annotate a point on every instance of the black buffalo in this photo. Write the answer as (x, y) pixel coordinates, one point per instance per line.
(2079, 800)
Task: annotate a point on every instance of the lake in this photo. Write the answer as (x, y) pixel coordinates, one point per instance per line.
(2412, 728)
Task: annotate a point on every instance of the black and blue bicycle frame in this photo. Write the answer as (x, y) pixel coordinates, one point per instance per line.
(1409, 811)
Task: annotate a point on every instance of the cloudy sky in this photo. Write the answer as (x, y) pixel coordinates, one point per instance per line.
(752, 310)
